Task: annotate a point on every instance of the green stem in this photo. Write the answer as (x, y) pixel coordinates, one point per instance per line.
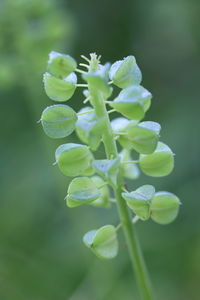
(128, 228)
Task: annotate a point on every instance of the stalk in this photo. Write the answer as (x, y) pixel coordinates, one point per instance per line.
(134, 249)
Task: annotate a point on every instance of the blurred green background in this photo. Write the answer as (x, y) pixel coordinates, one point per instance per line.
(42, 256)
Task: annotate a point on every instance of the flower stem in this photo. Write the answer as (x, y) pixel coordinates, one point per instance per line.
(129, 230)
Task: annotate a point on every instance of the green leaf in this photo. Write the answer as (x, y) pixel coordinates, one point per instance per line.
(103, 200)
(82, 190)
(129, 170)
(74, 160)
(164, 207)
(139, 201)
(61, 65)
(103, 242)
(107, 169)
(58, 121)
(158, 164)
(143, 136)
(89, 128)
(125, 73)
(60, 90)
(99, 80)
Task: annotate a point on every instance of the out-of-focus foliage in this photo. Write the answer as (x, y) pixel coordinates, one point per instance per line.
(28, 31)
(41, 253)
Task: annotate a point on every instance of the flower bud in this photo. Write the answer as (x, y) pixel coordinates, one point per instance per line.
(60, 65)
(58, 121)
(125, 73)
(164, 207)
(74, 160)
(159, 163)
(60, 90)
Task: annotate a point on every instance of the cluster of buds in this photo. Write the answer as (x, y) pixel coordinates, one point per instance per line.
(96, 179)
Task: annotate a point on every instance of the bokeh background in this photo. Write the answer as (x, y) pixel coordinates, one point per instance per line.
(42, 256)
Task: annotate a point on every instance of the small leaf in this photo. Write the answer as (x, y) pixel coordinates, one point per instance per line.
(139, 201)
(61, 65)
(82, 191)
(103, 200)
(58, 121)
(103, 242)
(125, 73)
(60, 90)
(143, 136)
(107, 169)
(129, 170)
(74, 160)
(164, 207)
(158, 164)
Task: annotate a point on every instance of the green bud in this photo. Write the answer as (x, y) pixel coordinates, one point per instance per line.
(60, 90)
(158, 164)
(103, 200)
(74, 160)
(89, 128)
(129, 170)
(82, 190)
(99, 80)
(107, 169)
(139, 201)
(61, 65)
(125, 73)
(143, 136)
(164, 207)
(132, 102)
(103, 242)
(58, 121)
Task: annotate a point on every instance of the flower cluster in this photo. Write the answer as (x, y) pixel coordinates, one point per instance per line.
(95, 179)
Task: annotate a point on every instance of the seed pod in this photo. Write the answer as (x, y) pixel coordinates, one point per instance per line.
(103, 242)
(107, 169)
(120, 125)
(58, 121)
(60, 90)
(81, 191)
(132, 102)
(143, 136)
(60, 65)
(74, 160)
(103, 199)
(164, 207)
(129, 170)
(158, 164)
(125, 73)
(99, 80)
(139, 201)
(88, 128)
